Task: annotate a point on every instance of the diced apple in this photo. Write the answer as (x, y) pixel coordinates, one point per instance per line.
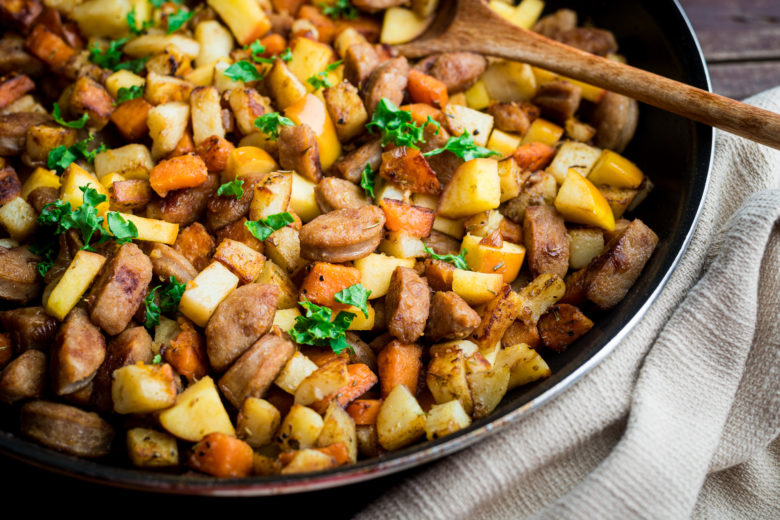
(477, 96)
(79, 275)
(74, 178)
(246, 160)
(462, 118)
(543, 131)
(505, 261)
(309, 57)
(376, 270)
(154, 230)
(579, 201)
(402, 25)
(503, 142)
(198, 411)
(245, 18)
(474, 187)
(616, 171)
(310, 110)
(576, 156)
(476, 288)
(302, 199)
(509, 81)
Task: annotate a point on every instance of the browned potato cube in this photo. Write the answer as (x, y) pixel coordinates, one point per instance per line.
(13, 87)
(41, 139)
(130, 194)
(89, 97)
(247, 105)
(346, 109)
(562, 325)
(242, 260)
(238, 231)
(151, 449)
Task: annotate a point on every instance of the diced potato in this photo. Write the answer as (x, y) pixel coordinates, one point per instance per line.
(618, 198)
(509, 174)
(307, 461)
(77, 278)
(527, 13)
(579, 157)
(215, 42)
(310, 110)
(324, 381)
(446, 378)
(247, 160)
(387, 190)
(206, 114)
(40, 178)
(164, 332)
(150, 44)
(298, 368)
(476, 288)
(300, 429)
(162, 89)
(154, 230)
(487, 389)
(133, 161)
(201, 76)
(345, 38)
(123, 79)
(198, 411)
(206, 291)
(257, 422)
(275, 275)
(285, 320)
(242, 260)
(505, 261)
(578, 130)
(509, 81)
(477, 96)
(525, 365)
(464, 119)
(402, 25)
(346, 110)
(308, 58)
(483, 224)
(245, 18)
(73, 179)
(402, 245)
(444, 419)
(283, 247)
(143, 388)
(543, 131)
(302, 200)
(167, 125)
(376, 270)
(584, 246)
(338, 426)
(579, 201)
(18, 218)
(467, 347)
(615, 170)
(503, 142)
(283, 86)
(400, 421)
(222, 82)
(453, 228)
(151, 449)
(474, 187)
(545, 290)
(102, 17)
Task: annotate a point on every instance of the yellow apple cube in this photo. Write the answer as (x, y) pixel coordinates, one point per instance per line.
(580, 202)
(474, 187)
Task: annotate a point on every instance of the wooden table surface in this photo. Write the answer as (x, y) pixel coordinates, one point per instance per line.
(741, 40)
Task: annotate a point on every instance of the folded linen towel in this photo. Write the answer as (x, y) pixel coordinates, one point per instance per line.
(682, 419)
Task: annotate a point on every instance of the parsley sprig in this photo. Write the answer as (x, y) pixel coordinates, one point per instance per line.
(397, 126)
(264, 228)
(170, 295)
(269, 124)
(111, 57)
(463, 146)
(47, 247)
(122, 229)
(320, 79)
(234, 188)
(78, 123)
(128, 93)
(286, 55)
(257, 50)
(132, 24)
(316, 327)
(177, 19)
(368, 180)
(242, 71)
(339, 9)
(458, 261)
(355, 295)
(60, 157)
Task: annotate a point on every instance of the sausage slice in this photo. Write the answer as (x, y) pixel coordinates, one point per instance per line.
(545, 239)
(19, 281)
(66, 428)
(333, 193)
(457, 70)
(450, 317)
(342, 235)
(387, 81)
(299, 151)
(78, 351)
(30, 328)
(407, 304)
(24, 377)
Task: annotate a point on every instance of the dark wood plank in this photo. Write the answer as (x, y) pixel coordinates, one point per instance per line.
(741, 80)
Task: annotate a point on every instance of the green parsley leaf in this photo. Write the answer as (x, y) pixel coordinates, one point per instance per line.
(152, 309)
(463, 146)
(458, 261)
(159, 3)
(177, 19)
(257, 49)
(286, 55)
(85, 218)
(320, 79)
(128, 93)
(78, 123)
(242, 71)
(340, 9)
(134, 66)
(233, 188)
(157, 359)
(269, 124)
(110, 57)
(132, 24)
(60, 157)
(123, 230)
(368, 179)
(316, 327)
(263, 228)
(170, 295)
(47, 247)
(397, 126)
(355, 295)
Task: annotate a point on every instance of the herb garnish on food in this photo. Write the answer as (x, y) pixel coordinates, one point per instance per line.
(339, 9)
(368, 180)
(242, 71)
(463, 146)
(269, 124)
(320, 80)
(458, 261)
(397, 126)
(78, 123)
(264, 228)
(316, 327)
(234, 188)
(170, 295)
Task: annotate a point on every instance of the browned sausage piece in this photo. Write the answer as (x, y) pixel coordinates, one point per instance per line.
(78, 351)
(240, 319)
(439, 274)
(13, 130)
(442, 244)
(590, 39)
(360, 60)
(558, 100)
(167, 262)
(334, 193)
(69, 244)
(24, 377)
(457, 70)
(546, 241)
(120, 289)
(225, 209)
(556, 23)
(352, 165)
(342, 235)
(611, 274)
(361, 352)
(615, 119)
(299, 151)
(562, 325)
(19, 280)
(66, 428)
(450, 317)
(387, 81)
(520, 332)
(513, 116)
(41, 196)
(445, 163)
(256, 369)
(30, 328)
(134, 344)
(10, 187)
(184, 206)
(407, 304)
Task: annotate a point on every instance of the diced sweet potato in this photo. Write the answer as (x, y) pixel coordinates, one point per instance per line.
(197, 246)
(416, 221)
(361, 380)
(187, 352)
(534, 156)
(326, 28)
(324, 280)
(130, 118)
(184, 171)
(49, 48)
(407, 168)
(426, 89)
(364, 411)
(221, 455)
(185, 146)
(562, 325)
(520, 332)
(214, 151)
(13, 87)
(399, 364)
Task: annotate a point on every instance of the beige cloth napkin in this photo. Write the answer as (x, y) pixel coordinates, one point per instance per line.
(682, 419)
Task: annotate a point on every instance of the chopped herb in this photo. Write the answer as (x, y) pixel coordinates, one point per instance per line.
(47, 247)
(85, 218)
(110, 57)
(60, 157)
(397, 126)
(152, 309)
(157, 359)
(159, 3)
(316, 328)
(132, 24)
(78, 123)
(263, 228)
(233, 188)
(170, 295)
(458, 261)
(320, 80)
(257, 49)
(463, 146)
(355, 295)
(368, 179)
(498, 266)
(177, 19)
(128, 93)
(339, 9)
(134, 66)
(286, 55)
(269, 124)
(242, 71)
(122, 229)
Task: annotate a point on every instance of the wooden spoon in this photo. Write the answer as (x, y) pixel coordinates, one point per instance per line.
(470, 25)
